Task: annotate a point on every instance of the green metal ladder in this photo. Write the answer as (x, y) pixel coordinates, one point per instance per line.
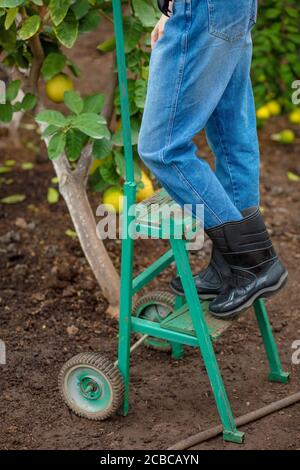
(190, 324)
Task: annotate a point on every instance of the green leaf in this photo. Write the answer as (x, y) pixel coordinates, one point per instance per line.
(27, 166)
(89, 23)
(52, 196)
(51, 117)
(80, 8)
(10, 17)
(8, 38)
(67, 31)
(71, 233)
(56, 145)
(94, 103)
(91, 124)
(102, 148)
(30, 27)
(53, 65)
(50, 130)
(117, 138)
(120, 163)
(13, 199)
(13, 90)
(108, 172)
(292, 176)
(6, 112)
(58, 10)
(145, 12)
(133, 30)
(108, 45)
(11, 3)
(4, 169)
(75, 142)
(29, 101)
(73, 101)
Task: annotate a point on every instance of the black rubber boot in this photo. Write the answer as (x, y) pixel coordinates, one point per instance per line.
(255, 267)
(210, 281)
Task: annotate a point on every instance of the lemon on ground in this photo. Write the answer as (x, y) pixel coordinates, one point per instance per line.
(114, 196)
(274, 108)
(263, 113)
(147, 190)
(56, 87)
(294, 117)
(287, 136)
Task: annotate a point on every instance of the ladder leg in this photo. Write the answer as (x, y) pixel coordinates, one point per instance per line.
(125, 318)
(230, 433)
(276, 373)
(177, 348)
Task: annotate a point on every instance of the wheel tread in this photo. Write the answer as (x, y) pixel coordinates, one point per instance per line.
(107, 368)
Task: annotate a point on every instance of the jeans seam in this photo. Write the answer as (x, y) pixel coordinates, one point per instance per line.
(192, 188)
(224, 149)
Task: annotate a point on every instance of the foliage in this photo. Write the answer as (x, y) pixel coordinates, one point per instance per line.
(57, 24)
(276, 59)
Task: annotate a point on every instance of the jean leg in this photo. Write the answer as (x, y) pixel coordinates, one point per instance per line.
(232, 135)
(189, 72)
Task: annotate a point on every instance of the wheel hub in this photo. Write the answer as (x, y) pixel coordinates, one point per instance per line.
(90, 389)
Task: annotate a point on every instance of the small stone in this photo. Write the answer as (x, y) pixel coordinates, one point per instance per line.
(38, 296)
(21, 223)
(72, 330)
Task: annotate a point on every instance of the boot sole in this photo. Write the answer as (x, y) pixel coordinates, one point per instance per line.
(263, 293)
(201, 296)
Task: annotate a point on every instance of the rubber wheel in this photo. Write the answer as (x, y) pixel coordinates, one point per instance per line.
(91, 386)
(156, 307)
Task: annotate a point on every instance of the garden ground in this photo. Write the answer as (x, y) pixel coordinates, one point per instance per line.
(52, 308)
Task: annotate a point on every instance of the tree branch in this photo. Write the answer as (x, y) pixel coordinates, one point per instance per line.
(37, 62)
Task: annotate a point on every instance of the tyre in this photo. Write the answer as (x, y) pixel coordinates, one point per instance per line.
(91, 386)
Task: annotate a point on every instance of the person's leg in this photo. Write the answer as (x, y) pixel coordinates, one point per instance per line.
(190, 68)
(232, 135)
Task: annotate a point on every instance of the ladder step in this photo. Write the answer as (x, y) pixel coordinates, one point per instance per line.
(181, 321)
(153, 218)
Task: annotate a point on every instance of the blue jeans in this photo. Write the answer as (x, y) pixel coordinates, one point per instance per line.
(199, 78)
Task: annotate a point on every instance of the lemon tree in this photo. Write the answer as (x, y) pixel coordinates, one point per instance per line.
(35, 37)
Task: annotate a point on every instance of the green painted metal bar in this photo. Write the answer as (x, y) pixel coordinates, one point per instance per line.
(150, 328)
(276, 372)
(128, 219)
(152, 271)
(126, 294)
(230, 433)
(122, 74)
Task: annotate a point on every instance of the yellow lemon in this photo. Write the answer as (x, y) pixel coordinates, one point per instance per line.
(147, 190)
(263, 113)
(114, 196)
(274, 108)
(294, 116)
(56, 87)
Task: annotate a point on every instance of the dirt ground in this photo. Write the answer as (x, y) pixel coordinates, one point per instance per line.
(46, 287)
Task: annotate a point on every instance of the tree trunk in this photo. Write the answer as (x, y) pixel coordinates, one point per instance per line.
(72, 188)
